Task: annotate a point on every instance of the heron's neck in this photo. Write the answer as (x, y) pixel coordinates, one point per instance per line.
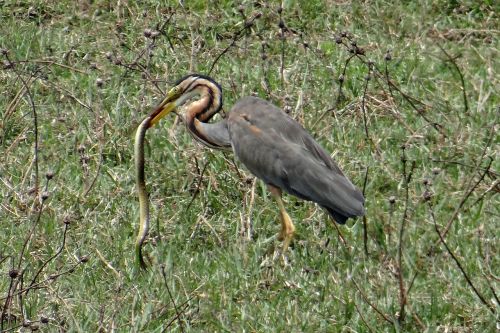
(205, 102)
(198, 109)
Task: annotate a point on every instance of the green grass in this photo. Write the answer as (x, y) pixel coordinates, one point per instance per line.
(88, 107)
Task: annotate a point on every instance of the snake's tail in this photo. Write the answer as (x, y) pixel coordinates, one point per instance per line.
(139, 257)
(143, 225)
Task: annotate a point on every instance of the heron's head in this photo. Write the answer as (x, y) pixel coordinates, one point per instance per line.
(191, 86)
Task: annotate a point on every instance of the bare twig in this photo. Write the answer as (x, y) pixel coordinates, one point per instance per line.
(493, 187)
(35, 121)
(52, 62)
(365, 298)
(385, 75)
(102, 141)
(63, 243)
(8, 299)
(362, 317)
(38, 285)
(32, 230)
(68, 93)
(490, 173)
(136, 66)
(341, 79)
(464, 92)
(406, 180)
(417, 318)
(438, 127)
(183, 308)
(488, 275)
(197, 190)
(14, 103)
(20, 296)
(161, 28)
(387, 58)
(459, 265)
(265, 69)
(94, 179)
(339, 233)
(365, 227)
(472, 188)
(178, 316)
(282, 37)
(235, 38)
(363, 107)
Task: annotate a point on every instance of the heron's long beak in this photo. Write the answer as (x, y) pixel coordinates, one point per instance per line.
(165, 107)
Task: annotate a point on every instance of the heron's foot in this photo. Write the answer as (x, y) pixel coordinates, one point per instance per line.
(287, 231)
(287, 227)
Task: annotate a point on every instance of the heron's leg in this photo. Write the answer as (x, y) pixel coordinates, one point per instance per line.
(287, 227)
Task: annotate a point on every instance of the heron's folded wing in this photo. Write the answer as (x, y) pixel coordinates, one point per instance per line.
(293, 168)
(267, 117)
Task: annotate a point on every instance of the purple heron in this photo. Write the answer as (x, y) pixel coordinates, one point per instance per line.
(272, 146)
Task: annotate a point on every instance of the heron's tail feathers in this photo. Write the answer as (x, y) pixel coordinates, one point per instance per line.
(341, 217)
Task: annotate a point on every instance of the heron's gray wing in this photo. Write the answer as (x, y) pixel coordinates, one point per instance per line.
(291, 166)
(268, 117)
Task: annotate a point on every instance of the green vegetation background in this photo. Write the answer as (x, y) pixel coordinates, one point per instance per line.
(78, 76)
